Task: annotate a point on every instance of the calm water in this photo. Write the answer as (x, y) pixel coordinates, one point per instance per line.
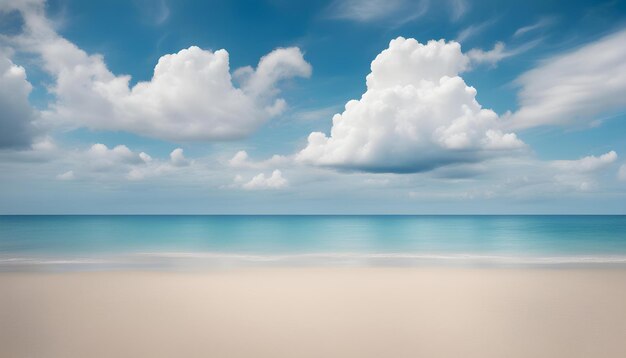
(173, 240)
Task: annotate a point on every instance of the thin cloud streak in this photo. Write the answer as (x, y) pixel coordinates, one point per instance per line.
(396, 11)
(544, 22)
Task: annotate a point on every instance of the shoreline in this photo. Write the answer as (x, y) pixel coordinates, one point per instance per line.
(193, 261)
(315, 312)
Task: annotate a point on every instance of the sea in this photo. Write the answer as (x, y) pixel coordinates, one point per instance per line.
(189, 242)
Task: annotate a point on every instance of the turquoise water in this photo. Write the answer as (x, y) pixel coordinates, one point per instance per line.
(153, 240)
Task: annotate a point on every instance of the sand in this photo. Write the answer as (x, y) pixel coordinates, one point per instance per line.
(316, 312)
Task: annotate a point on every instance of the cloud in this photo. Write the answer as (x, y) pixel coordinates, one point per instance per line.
(519, 178)
(145, 157)
(416, 115)
(190, 96)
(574, 87)
(99, 162)
(458, 8)
(400, 11)
(544, 22)
(581, 174)
(155, 11)
(396, 11)
(280, 64)
(491, 57)
(177, 158)
(16, 114)
(100, 157)
(587, 164)
(261, 182)
(473, 30)
(498, 53)
(242, 160)
(44, 144)
(154, 168)
(561, 176)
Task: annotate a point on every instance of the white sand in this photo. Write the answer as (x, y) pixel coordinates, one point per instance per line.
(368, 312)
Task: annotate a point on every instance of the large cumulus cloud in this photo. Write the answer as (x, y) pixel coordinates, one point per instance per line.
(416, 115)
(191, 95)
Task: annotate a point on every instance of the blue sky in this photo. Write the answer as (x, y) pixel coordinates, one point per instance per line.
(319, 107)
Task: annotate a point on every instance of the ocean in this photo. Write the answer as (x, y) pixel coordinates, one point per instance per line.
(85, 242)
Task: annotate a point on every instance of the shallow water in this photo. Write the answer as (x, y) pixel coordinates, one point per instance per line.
(154, 240)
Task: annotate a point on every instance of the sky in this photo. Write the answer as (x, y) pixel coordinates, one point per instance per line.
(319, 107)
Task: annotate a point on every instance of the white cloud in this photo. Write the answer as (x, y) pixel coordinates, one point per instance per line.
(473, 30)
(574, 87)
(145, 157)
(544, 22)
(458, 8)
(155, 11)
(44, 144)
(260, 181)
(400, 11)
(190, 97)
(16, 114)
(177, 158)
(97, 162)
(279, 64)
(363, 10)
(492, 56)
(580, 174)
(102, 158)
(156, 167)
(407, 63)
(242, 160)
(498, 53)
(100, 162)
(587, 164)
(416, 115)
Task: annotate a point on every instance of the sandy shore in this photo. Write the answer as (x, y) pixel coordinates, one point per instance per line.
(366, 312)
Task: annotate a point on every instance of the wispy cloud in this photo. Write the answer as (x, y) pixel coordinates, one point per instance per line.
(575, 87)
(473, 30)
(498, 53)
(544, 22)
(400, 11)
(155, 11)
(458, 8)
(396, 11)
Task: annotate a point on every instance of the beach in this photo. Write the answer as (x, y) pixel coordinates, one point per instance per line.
(316, 312)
